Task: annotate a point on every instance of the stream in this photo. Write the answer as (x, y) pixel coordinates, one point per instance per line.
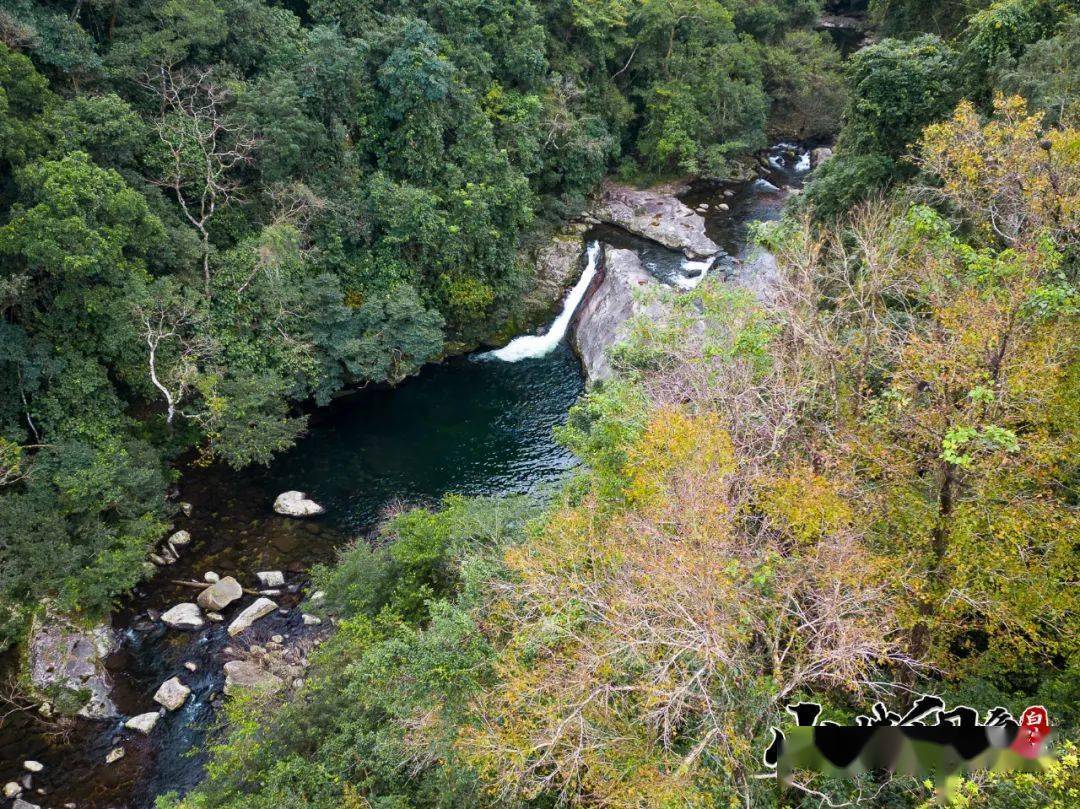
(474, 425)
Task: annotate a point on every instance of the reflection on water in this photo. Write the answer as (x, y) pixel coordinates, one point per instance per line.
(465, 427)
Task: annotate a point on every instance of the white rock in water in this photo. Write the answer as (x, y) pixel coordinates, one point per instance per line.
(260, 607)
(179, 538)
(216, 617)
(186, 508)
(211, 577)
(143, 723)
(11, 789)
(191, 666)
(183, 616)
(33, 766)
(115, 754)
(220, 594)
(243, 675)
(271, 578)
(297, 504)
(172, 694)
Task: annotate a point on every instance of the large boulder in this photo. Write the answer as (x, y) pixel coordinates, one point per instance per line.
(171, 694)
(558, 265)
(243, 675)
(625, 290)
(297, 504)
(183, 616)
(66, 665)
(655, 214)
(256, 610)
(822, 154)
(220, 594)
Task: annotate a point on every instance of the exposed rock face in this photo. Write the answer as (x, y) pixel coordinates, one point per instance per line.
(66, 665)
(243, 675)
(759, 272)
(143, 723)
(220, 594)
(297, 504)
(558, 264)
(820, 155)
(255, 611)
(655, 214)
(171, 694)
(622, 293)
(183, 616)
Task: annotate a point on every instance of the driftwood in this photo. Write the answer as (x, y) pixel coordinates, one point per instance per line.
(202, 585)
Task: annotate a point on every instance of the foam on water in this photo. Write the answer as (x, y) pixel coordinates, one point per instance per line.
(532, 345)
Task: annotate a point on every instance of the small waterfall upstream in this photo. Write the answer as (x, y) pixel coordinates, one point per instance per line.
(533, 345)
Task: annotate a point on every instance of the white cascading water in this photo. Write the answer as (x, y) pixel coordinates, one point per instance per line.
(804, 162)
(533, 345)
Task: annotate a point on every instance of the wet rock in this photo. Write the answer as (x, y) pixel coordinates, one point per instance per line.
(191, 666)
(33, 766)
(270, 578)
(603, 319)
(220, 594)
(311, 620)
(113, 755)
(11, 789)
(243, 675)
(216, 617)
(211, 577)
(723, 206)
(143, 723)
(179, 540)
(21, 804)
(171, 694)
(183, 616)
(160, 561)
(558, 264)
(655, 214)
(67, 662)
(822, 154)
(252, 613)
(297, 504)
(186, 508)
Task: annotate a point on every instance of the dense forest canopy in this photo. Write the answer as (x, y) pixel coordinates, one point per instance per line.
(215, 212)
(866, 486)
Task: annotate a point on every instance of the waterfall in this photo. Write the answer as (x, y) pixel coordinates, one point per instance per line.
(804, 162)
(531, 345)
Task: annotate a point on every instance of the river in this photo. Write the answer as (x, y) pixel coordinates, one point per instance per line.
(472, 425)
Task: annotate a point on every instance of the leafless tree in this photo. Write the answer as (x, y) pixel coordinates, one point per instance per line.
(204, 145)
(168, 325)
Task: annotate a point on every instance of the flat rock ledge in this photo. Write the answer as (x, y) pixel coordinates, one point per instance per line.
(297, 504)
(655, 214)
(67, 662)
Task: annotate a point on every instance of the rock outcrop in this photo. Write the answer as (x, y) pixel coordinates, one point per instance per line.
(625, 290)
(822, 154)
(655, 214)
(220, 594)
(256, 610)
(66, 666)
(297, 504)
(243, 675)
